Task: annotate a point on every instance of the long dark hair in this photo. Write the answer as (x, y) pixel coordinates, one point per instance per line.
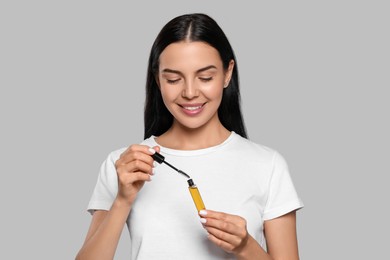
(193, 27)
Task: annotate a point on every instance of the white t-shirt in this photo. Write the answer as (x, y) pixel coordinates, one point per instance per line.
(237, 177)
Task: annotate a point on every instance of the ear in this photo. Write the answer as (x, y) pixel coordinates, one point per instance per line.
(228, 74)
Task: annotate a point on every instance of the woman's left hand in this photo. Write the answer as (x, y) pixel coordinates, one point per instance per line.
(225, 230)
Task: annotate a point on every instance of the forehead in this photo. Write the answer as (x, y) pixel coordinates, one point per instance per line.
(189, 55)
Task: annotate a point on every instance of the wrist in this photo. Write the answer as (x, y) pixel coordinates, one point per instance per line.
(121, 203)
(250, 250)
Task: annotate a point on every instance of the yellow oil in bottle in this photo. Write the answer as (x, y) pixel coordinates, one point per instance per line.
(195, 194)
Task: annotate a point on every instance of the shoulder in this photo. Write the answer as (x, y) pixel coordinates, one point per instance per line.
(253, 150)
(114, 155)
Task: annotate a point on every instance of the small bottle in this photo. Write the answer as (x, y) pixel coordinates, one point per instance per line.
(195, 195)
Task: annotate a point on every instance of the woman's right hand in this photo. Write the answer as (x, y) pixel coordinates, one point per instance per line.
(134, 167)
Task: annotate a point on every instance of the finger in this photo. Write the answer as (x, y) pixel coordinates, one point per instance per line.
(135, 166)
(224, 226)
(135, 156)
(227, 237)
(139, 176)
(157, 148)
(134, 177)
(210, 214)
(135, 159)
(221, 243)
(138, 147)
(136, 153)
(216, 215)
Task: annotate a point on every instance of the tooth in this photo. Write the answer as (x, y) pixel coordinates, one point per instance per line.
(192, 108)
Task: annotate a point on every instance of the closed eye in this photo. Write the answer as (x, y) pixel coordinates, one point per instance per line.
(172, 81)
(206, 79)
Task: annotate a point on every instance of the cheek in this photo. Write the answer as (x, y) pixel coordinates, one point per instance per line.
(168, 94)
(214, 93)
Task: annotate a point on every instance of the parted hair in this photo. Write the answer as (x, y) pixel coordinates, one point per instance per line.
(191, 27)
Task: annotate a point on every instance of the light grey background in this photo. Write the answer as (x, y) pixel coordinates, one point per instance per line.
(314, 78)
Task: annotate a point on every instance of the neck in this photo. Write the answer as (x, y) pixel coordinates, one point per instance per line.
(181, 138)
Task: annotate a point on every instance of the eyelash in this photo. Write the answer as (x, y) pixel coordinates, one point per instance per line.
(206, 79)
(174, 81)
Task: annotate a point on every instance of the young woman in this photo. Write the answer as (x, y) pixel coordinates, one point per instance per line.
(193, 118)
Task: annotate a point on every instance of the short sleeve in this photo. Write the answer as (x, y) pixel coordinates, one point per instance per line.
(106, 187)
(282, 195)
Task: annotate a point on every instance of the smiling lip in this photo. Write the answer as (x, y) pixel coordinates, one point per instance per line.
(192, 109)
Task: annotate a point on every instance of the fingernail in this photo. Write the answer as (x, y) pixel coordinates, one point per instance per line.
(155, 163)
(203, 220)
(203, 212)
(153, 172)
(152, 150)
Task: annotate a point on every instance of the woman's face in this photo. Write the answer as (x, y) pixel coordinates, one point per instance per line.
(191, 79)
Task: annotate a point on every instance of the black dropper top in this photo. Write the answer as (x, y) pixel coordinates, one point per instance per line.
(161, 159)
(158, 157)
(190, 182)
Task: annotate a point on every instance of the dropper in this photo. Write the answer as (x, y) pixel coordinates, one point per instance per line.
(161, 159)
(191, 185)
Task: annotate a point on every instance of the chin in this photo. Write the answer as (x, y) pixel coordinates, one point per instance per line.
(193, 124)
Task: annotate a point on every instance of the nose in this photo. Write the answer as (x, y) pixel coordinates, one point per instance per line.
(190, 90)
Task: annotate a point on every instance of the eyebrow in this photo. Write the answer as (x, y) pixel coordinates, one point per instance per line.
(179, 72)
